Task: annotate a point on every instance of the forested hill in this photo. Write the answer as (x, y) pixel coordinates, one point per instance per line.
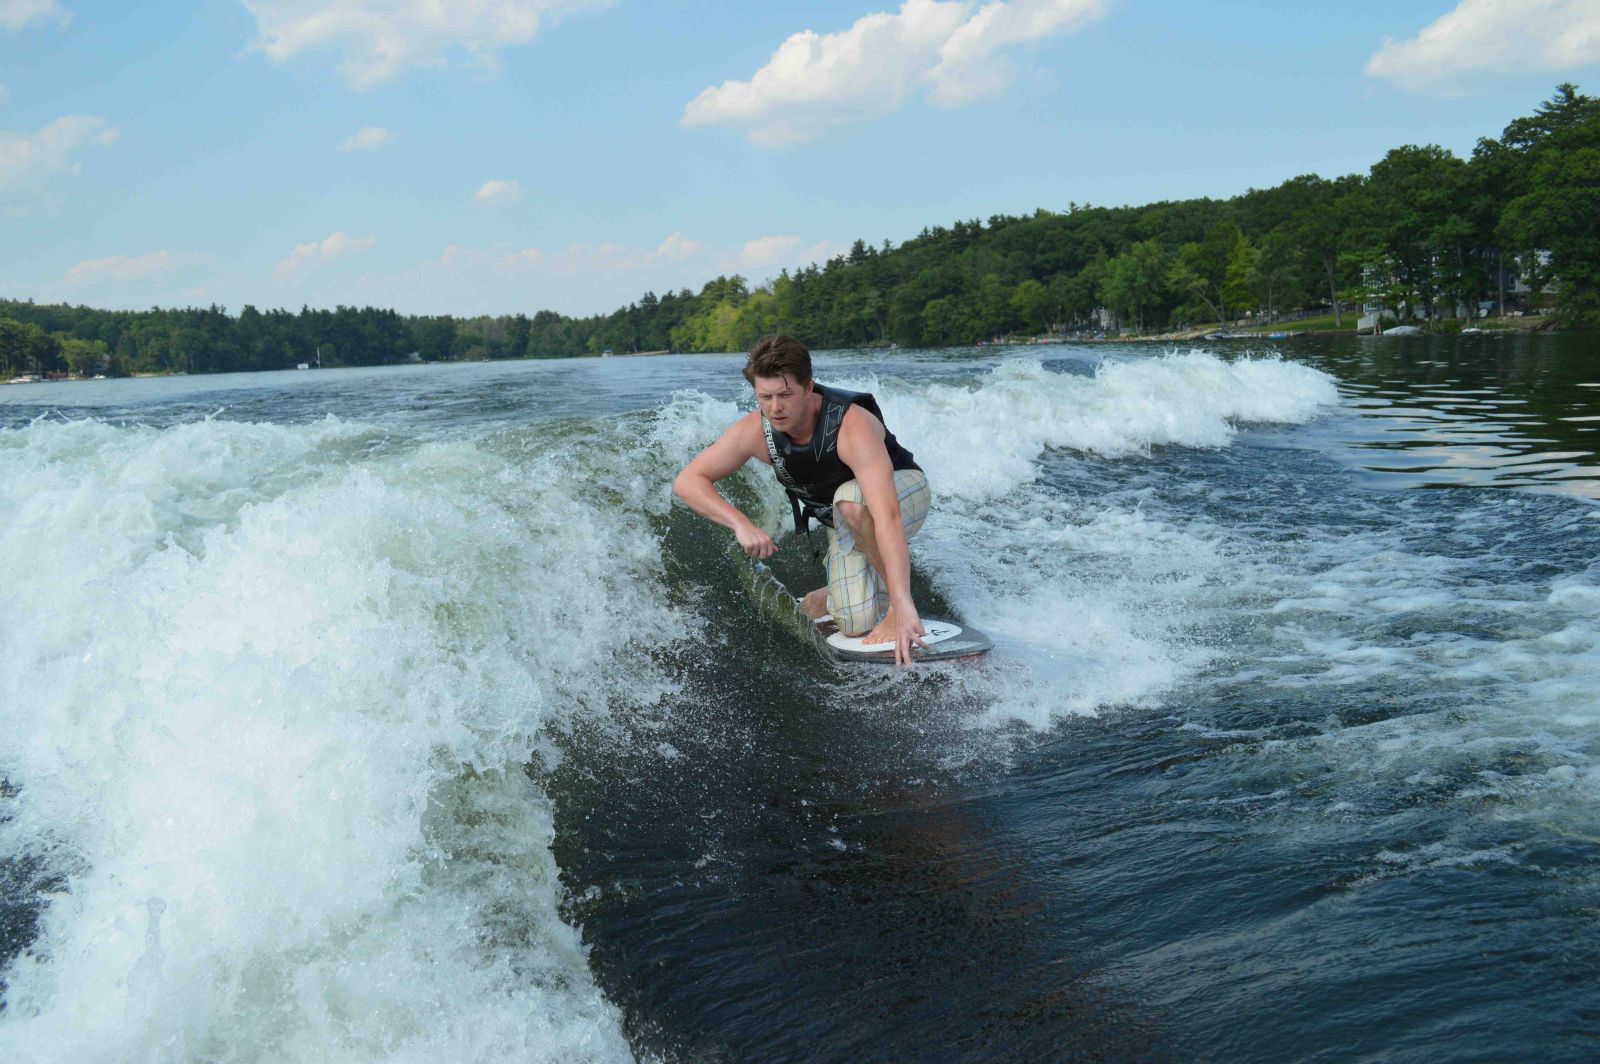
(1423, 228)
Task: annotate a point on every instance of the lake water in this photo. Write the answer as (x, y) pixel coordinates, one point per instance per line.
(399, 715)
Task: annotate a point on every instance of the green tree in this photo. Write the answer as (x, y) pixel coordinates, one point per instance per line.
(1198, 272)
(1239, 279)
(758, 317)
(13, 349)
(1323, 230)
(1186, 278)
(993, 305)
(1278, 270)
(121, 362)
(84, 357)
(1136, 281)
(1030, 304)
(432, 337)
(1411, 194)
(26, 348)
(1559, 215)
(945, 322)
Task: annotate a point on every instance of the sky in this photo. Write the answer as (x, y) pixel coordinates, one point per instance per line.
(508, 156)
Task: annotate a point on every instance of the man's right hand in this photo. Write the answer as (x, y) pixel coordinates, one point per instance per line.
(754, 542)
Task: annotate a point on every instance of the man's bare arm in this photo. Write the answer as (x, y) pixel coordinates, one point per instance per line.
(696, 485)
(861, 447)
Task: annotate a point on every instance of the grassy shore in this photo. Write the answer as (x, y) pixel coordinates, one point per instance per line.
(1324, 325)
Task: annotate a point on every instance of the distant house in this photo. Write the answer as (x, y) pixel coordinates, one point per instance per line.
(1519, 285)
(1514, 296)
(1371, 320)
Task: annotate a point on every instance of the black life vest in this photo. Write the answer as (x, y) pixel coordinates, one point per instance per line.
(811, 472)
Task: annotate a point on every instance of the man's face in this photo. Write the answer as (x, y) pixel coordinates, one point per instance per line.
(782, 401)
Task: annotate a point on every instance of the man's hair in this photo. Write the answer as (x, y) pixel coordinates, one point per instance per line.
(778, 356)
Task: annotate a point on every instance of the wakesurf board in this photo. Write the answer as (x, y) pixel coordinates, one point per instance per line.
(947, 641)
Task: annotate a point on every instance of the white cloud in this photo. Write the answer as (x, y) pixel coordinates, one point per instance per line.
(5, 95)
(367, 138)
(948, 49)
(969, 65)
(29, 161)
(381, 39)
(767, 251)
(161, 277)
(1489, 37)
(460, 260)
(521, 261)
(612, 258)
(622, 258)
(578, 279)
(334, 246)
(678, 247)
(498, 193)
(120, 269)
(600, 258)
(19, 14)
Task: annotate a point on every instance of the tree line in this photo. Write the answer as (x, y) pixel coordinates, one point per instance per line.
(1423, 229)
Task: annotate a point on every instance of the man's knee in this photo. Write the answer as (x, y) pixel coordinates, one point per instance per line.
(857, 621)
(854, 513)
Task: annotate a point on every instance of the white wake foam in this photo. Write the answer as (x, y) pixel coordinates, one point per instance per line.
(981, 441)
(268, 709)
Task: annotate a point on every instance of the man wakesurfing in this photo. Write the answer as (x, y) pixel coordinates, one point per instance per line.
(840, 465)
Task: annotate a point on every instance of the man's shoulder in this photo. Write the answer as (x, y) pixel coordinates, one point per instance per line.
(748, 423)
(747, 434)
(858, 418)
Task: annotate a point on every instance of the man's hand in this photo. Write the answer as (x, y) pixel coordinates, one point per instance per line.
(753, 541)
(902, 625)
(697, 484)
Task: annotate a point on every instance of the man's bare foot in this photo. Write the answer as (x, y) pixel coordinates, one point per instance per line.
(883, 632)
(815, 604)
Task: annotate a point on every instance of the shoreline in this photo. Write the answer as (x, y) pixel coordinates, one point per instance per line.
(1524, 326)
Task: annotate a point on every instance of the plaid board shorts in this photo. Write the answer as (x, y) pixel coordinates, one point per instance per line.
(857, 597)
